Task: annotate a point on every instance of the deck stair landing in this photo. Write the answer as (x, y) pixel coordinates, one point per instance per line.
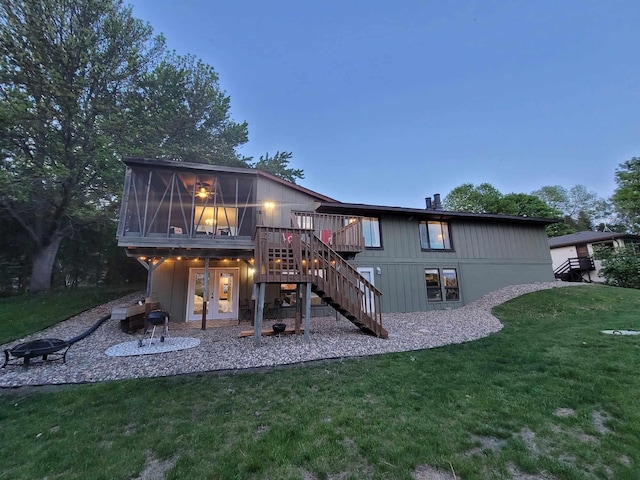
(574, 268)
(295, 255)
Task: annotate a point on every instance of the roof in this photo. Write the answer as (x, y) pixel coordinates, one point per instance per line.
(579, 238)
(330, 205)
(376, 210)
(206, 167)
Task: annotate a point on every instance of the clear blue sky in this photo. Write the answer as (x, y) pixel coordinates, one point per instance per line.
(387, 102)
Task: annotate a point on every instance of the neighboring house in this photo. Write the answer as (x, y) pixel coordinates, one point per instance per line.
(572, 255)
(214, 238)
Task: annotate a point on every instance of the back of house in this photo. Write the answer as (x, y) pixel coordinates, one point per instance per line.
(210, 236)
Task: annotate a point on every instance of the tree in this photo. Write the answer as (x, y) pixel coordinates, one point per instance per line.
(79, 90)
(468, 197)
(626, 196)
(555, 196)
(611, 227)
(620, 266)
(178, 111)
(582, 223)
(278, 165)
(525, 205)
(485, 198)
(64, 69)
(581, 208)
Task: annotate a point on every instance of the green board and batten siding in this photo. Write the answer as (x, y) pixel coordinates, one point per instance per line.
(486, 255)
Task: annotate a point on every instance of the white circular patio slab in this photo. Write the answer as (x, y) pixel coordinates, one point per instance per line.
(621, 332)
(170, 344)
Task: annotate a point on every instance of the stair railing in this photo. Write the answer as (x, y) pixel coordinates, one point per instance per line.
(346, 287)
(581, 264)
(297, 255)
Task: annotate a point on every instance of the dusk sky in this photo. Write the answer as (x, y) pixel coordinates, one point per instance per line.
(387, 102)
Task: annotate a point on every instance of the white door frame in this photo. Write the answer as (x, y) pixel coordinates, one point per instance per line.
(371, 280)
(214, 290)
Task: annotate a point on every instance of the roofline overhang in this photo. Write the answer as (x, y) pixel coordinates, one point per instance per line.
(180, 165)
(205, 167)
(431, 214)
(613, 236)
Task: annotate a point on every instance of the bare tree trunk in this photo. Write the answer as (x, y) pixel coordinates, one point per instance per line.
(43, 266)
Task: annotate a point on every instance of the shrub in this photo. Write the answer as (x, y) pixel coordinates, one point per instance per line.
(620, 266)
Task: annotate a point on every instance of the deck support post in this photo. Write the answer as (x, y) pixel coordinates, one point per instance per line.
(298, 314)
(150, 267)
(307, 311)
(257, 328)
(254, 296)
(205, 294)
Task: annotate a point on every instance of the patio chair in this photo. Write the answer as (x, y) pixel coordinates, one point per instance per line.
(245, 309)
(275, 312)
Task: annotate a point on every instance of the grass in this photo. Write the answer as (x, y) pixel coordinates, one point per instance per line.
(480, 409)
(25, 314)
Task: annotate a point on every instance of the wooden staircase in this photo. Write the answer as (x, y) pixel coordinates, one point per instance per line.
(573, 269)
(295, 255)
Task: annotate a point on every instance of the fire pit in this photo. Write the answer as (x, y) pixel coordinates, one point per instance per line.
(45, 348)
(278, 328)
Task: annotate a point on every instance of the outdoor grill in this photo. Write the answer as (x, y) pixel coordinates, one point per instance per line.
(153, 320)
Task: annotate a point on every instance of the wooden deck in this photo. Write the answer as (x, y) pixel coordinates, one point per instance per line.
(296, 255)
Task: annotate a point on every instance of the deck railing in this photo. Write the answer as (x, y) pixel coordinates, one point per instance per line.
(579, 264)
(344, 233)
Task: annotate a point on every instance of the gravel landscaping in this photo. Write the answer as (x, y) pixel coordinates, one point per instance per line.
(220, 348)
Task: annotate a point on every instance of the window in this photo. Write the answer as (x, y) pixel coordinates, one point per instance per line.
(435, 236)
(371, 232)
(434, 290)
(304, 220)
(451, 289)
(442, 284)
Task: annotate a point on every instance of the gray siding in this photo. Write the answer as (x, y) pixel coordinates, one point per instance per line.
(286, 200)
(487, 256)
(171, 282)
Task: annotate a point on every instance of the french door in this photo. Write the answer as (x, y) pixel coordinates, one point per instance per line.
(223, 294)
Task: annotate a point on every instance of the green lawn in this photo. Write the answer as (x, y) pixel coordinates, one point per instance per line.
(25, 314)
(548, 394)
